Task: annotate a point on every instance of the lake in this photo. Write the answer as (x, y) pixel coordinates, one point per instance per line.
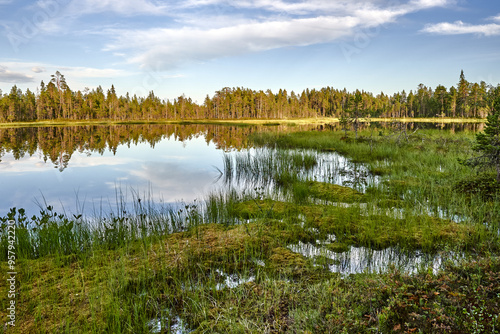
(80, 169)
(89, 169)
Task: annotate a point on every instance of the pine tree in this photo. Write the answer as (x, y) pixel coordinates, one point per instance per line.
(60, 82)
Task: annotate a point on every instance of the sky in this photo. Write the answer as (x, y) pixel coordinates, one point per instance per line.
(196, 47)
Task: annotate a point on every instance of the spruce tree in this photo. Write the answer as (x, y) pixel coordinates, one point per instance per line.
(488, 142)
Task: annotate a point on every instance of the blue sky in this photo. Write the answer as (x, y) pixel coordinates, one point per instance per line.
(199, 46)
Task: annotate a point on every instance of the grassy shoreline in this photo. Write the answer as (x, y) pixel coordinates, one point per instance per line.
(318, 120)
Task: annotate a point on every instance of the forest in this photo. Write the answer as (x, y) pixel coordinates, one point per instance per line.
(56, 101)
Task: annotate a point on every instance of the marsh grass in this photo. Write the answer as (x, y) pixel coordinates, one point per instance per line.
(422, 170)
(262, 167)
(227, 263)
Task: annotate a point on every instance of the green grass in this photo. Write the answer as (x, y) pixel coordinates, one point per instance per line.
(225, 264)
(121, 290)
(423, 168)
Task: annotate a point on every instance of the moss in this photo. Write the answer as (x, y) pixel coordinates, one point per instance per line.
(125, 287)
(49, 296)
(338, 247)
(220, 326)
(285, 261)
(262, 208)
(381, 231)
(334, 193)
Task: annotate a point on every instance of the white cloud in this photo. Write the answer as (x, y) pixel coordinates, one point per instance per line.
(122, 7)
(65, 16)
(174, 181)
(173, 76)
(167, 48)
(460, 28)
(38, 69)
(496, 18)
(301, 7)
(13, 77)
(78, 78)
(89, 72)
(312, 6)
(67, 71)
(430, 3)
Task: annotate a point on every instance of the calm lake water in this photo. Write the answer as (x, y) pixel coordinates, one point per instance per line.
(172, 170)
(84, 169)
(87, 169)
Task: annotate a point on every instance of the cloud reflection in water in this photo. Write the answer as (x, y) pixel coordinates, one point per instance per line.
(170, 172)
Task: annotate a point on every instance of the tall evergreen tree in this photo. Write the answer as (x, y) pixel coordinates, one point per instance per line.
(463, 93)
(488, 142)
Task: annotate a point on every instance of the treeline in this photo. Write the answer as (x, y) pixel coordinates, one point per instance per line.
(57, 101)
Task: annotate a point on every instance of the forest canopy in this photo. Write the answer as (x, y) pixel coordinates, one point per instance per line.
(56, 101)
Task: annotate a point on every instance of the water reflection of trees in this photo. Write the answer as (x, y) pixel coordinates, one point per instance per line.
(57, 144)
(396, 126)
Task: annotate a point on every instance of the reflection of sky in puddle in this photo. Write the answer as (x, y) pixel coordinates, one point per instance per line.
(360, 259)
(232, 281)
(171, 171)
(177, 326)
(337, 169)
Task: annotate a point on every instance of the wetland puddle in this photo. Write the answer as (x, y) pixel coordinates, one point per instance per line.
(365, 260)
(174, 326)
(232, 280)
(264, 168)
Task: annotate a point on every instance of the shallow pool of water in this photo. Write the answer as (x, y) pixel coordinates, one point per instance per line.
(365, 260)
(177, 326)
